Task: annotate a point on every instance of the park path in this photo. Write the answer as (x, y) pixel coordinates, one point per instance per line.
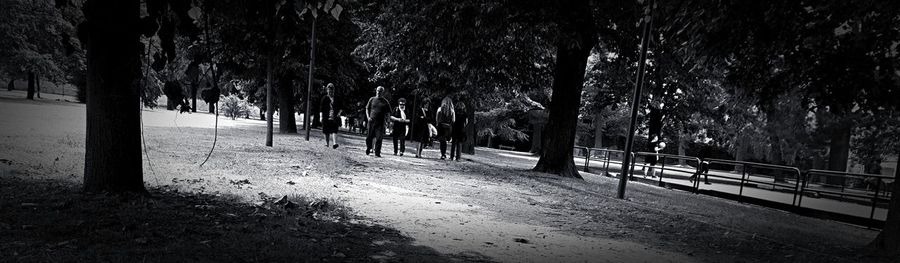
(489, 207)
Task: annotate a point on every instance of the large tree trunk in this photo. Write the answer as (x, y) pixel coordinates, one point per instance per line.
(573, 47)
(30, 94)
(888, 241)
(839, 153)
(287, 123)
(113, 145)
(537, 136)
(468, 146)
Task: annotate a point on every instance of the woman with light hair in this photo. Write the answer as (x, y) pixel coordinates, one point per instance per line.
(444, 118)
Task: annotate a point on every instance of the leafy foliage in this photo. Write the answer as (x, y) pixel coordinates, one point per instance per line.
(37, 38)
(233, 107)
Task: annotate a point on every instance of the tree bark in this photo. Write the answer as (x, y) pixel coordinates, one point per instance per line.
(598, 131)
(577, 37)
(194, 89)
(471, 134)
(30, 94)
(888, 241)
(113, 145)
(270, 101)
(839, 153)
(37, 85)
(287, 123)
(682, 147)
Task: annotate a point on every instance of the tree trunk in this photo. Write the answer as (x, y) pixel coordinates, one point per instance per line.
(270, 101)
(287, 123)
(575, 43)
(839, 153)
(537, 136)
(113, 145)
(11, 86)
(468, 147)
(37, 85)
(194, 89)
(888, 241)
(30, 94)
(682, 147)
(598, 131)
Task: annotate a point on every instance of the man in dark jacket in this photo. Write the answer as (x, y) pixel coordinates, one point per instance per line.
(377, 111)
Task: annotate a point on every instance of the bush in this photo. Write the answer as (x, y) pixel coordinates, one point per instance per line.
(233, 107)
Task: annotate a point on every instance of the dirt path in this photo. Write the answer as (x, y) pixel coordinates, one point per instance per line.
(486, 208)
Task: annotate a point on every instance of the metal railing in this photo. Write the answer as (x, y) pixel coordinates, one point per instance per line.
(662, 159)
(875, 190)
(866, 189)
(776, 180)
(606, 155)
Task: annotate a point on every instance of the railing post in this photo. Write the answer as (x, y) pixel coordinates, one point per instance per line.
(587, 159)
(875, 199)
(796, 187)
(606, 166)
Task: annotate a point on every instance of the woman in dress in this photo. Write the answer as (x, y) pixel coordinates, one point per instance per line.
(420, 126)
(445, 117)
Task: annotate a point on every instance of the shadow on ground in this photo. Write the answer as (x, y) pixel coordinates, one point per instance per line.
(45, 221)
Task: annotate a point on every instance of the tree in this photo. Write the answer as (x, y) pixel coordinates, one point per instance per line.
(113, 146)
(36, 43)
(111, 33)
(840, 56)
(577, 38)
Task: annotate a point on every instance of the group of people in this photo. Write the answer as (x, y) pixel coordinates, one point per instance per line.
(447, 124)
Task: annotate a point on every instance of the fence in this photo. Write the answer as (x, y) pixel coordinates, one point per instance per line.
(866, 188)
(839, 188)
(600, 154)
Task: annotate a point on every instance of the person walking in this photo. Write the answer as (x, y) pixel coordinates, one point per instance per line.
(330, 114)
(401, 121)
(445, 117)
(377, 110)
(420, 126)
(657, 145)
(704, 156)
(458, 135)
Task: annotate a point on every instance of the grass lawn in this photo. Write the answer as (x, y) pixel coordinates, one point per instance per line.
(357, 207)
